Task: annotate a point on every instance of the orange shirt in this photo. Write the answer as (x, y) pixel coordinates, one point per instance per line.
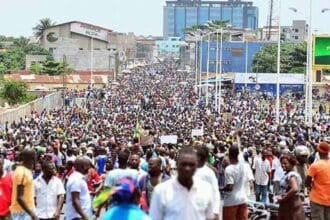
(320, 172)
(22, 176)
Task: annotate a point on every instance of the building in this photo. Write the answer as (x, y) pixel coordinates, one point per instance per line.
(83, 46)
(181, 14)
(268, 34)
(296, 33)
(124, 44)
(235, 55)
(170, 47)
(146, 48)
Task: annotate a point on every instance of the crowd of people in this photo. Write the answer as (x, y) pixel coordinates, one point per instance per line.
(105, 157)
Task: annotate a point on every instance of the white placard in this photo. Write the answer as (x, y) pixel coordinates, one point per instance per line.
(197, 132)
(169, 139)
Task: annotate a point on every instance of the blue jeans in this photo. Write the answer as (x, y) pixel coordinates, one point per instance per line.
(20, 216)
(261, 191)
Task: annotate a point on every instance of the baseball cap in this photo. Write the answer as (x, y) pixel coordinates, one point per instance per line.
(323, 148)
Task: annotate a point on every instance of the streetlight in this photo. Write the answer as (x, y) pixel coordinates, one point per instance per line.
(325, 10)
(208, 66)
(194, 34)
(309, 95)
(307, 85)
(220, 72)
(208, 69)
(278, 64)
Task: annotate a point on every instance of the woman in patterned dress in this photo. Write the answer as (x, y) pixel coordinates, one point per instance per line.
(290, 201)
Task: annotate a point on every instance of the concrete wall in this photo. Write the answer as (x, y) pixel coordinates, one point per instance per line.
(29, 59)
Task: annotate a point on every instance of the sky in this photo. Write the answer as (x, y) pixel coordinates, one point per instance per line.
(143, 17)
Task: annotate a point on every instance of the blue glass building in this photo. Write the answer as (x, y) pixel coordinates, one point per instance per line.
(233, 55)
(184, 13)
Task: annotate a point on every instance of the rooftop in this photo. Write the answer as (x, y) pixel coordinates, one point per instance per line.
(80, 22)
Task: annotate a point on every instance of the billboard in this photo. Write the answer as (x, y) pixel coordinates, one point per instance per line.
(322, 51)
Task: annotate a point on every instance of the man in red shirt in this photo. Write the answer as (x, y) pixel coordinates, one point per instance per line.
(5, 191)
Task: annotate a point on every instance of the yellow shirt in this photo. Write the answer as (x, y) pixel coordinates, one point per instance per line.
(22, 176)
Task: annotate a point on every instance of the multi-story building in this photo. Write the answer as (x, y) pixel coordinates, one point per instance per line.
(296, 33)
(83, 46)
(181, 14)
(124, 44)
(236, 56)
(146, 47)
(170, 47)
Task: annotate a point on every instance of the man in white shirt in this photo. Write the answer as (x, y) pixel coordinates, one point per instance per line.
(205, 173)
(183, 197)
(236, 179)
(262, 169)
(49, 193)
(78, 199)
(278, 172)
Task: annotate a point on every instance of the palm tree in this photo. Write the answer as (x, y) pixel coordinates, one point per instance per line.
(42, 26)
(22, 43)
(217, 24)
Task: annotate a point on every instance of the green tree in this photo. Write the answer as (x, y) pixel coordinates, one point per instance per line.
(210, 26)
(42, 26)
(52, 67)
(293, 59)
(3, 70)
(13, 59)
(14, 56)
(36, 68)
(14, 92)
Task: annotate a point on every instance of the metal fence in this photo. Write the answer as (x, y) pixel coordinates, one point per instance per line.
(48, 102)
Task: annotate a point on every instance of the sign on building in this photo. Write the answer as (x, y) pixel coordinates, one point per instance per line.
(89, 30)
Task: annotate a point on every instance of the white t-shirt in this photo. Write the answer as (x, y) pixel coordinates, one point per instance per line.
(77, 183)
(207, 174)
(236, 175)
(172, 201)
(278, 174)
(250, 177)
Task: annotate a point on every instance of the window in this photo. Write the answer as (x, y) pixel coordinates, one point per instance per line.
(237, 51)
(180, 18)
(81, 48)
(51, 49)
(296, 30)
(318, 76)
(203, 15)
(296, 37)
